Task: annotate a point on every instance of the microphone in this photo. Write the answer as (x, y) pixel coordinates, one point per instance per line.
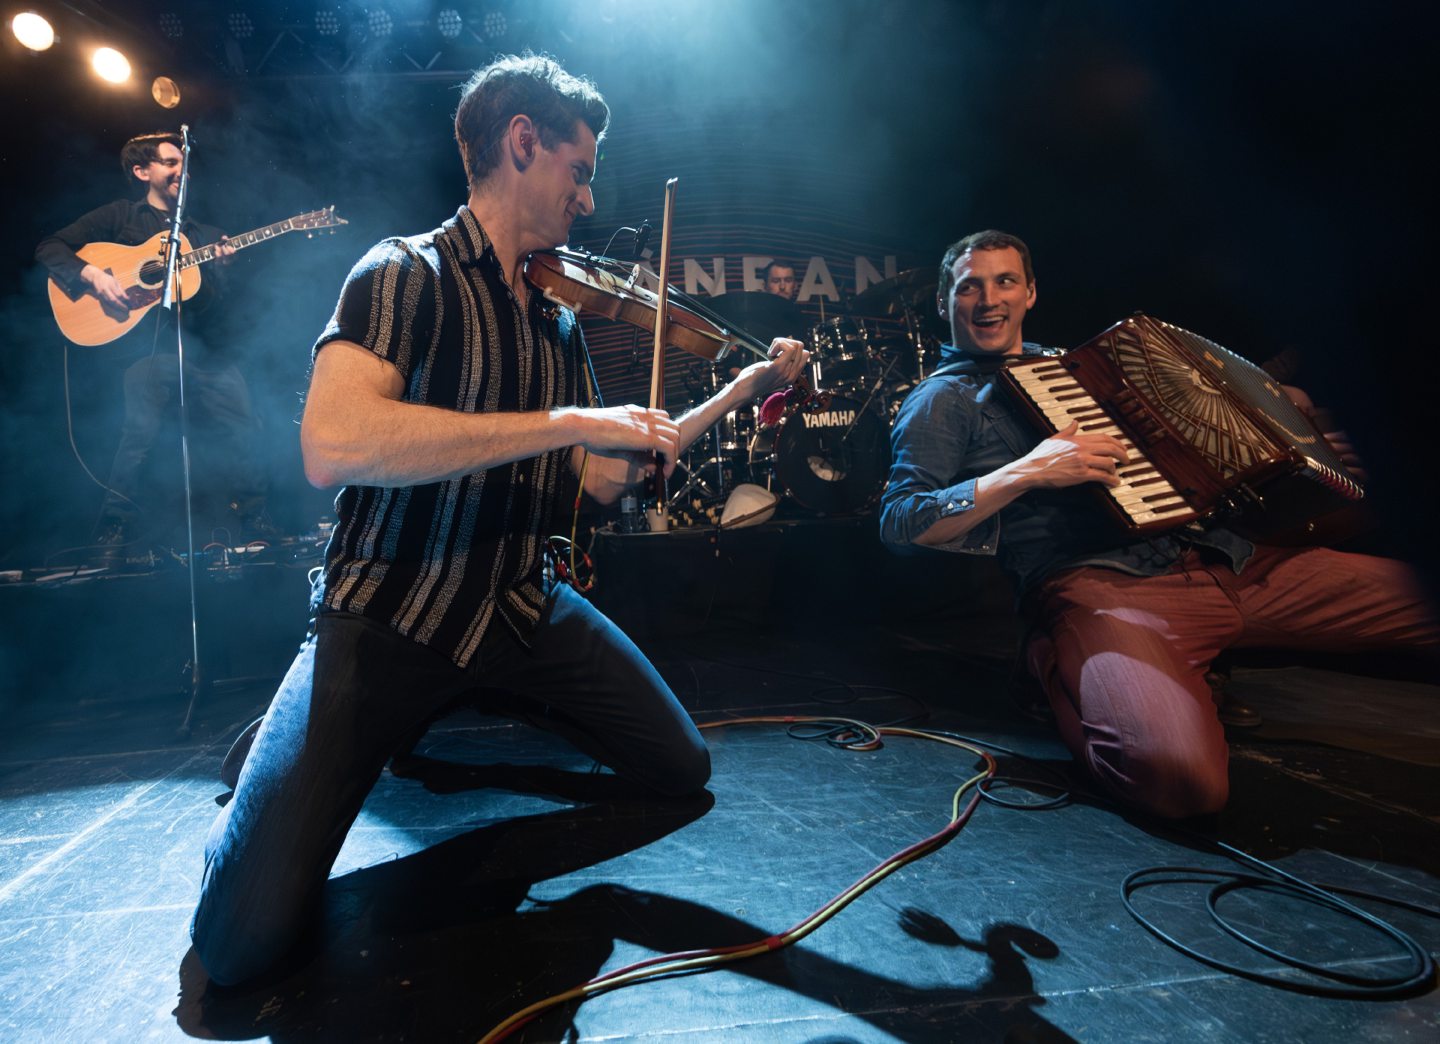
(641, 238)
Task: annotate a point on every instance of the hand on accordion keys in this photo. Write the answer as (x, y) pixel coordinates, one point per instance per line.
(1070, 457)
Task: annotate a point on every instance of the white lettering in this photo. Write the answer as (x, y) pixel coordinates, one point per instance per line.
(829, 419)
(750, 268)
(643, 273)
(818, 282)
(695, 277)
(866, 275)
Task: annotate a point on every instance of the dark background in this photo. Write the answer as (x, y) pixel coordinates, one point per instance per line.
(1252, 172)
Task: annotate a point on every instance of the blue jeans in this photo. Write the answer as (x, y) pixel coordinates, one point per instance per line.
(355, 693)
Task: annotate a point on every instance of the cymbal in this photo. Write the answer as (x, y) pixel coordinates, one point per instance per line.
(914, 288)
(761, 315)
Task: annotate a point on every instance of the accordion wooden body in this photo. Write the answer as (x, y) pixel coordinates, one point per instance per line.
(1208, 432)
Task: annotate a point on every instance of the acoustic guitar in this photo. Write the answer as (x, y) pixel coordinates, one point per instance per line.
(85, 320)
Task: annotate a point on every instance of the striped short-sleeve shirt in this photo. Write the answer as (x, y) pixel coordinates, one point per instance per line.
(439, 562)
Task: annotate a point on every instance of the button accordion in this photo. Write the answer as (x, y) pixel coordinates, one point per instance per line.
(1208, 432)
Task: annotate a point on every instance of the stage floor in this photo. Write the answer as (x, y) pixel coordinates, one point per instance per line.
(504, 870)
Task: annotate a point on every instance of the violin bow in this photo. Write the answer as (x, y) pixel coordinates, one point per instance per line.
(657, 366)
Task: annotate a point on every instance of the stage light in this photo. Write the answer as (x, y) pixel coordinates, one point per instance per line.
(166, 92)
(170, 26)
(327, 21)
(109, 64)
(379, 21)
(32, 31)
(495, 25)
(449, 23)
(240, 25)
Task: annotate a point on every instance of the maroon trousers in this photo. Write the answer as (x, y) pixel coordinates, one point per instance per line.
(1123, 658)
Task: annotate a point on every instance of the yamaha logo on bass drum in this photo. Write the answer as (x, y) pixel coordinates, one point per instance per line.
(829, 419)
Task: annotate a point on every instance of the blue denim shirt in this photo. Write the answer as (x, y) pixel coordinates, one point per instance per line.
(957, 426)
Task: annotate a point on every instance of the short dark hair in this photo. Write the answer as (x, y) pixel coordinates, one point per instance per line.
(778, 262)
(144, 149)
(529, 84)
(987, 240)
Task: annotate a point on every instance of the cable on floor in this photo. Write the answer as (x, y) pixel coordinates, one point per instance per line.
(868, 737)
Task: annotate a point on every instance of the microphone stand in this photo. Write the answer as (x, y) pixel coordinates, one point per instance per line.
(171, 304)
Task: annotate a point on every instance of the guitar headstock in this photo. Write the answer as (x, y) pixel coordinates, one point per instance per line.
(315, 221)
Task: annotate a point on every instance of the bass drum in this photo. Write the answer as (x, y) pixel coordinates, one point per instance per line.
(826, 453)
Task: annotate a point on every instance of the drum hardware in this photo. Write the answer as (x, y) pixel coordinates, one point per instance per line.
(909, 296)
(735, 430)
(716, 462)
(893, 296)
(827, 453)
(840, 352)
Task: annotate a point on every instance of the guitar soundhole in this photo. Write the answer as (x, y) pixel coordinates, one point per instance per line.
(152, 273)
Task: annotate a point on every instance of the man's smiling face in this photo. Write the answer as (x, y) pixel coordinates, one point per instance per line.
(987, 301)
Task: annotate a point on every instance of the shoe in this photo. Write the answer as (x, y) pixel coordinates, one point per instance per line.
(112, 544)
(1230, 709)
(238, 752)
(1238, 715)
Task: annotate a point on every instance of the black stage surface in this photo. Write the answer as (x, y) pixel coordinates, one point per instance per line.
(500, 869)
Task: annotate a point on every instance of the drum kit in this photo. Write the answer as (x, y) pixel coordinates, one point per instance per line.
(822, 449)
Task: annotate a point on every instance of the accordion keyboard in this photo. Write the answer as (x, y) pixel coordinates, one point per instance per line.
(1144, 496)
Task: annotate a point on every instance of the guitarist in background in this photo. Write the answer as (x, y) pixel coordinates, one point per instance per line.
(214, 386)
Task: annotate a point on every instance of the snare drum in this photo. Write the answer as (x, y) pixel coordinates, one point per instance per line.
(841, 353)
(827, 454)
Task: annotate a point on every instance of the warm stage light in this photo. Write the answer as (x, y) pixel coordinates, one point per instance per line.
(32, 30)
(109, 64)
(166, 92)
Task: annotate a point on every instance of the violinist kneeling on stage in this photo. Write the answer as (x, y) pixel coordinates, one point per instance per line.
(1122, 634)
(452, 407)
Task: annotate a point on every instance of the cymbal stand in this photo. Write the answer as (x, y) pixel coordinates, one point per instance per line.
(709, 386)
(695, 479)
(916, 338)
(875, 390)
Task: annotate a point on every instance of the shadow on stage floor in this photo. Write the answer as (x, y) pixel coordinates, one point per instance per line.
(500, 869)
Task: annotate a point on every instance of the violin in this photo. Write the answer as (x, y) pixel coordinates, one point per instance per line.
(586, 282)
(590, 283)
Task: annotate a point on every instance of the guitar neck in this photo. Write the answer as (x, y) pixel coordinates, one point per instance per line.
(245, 239)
